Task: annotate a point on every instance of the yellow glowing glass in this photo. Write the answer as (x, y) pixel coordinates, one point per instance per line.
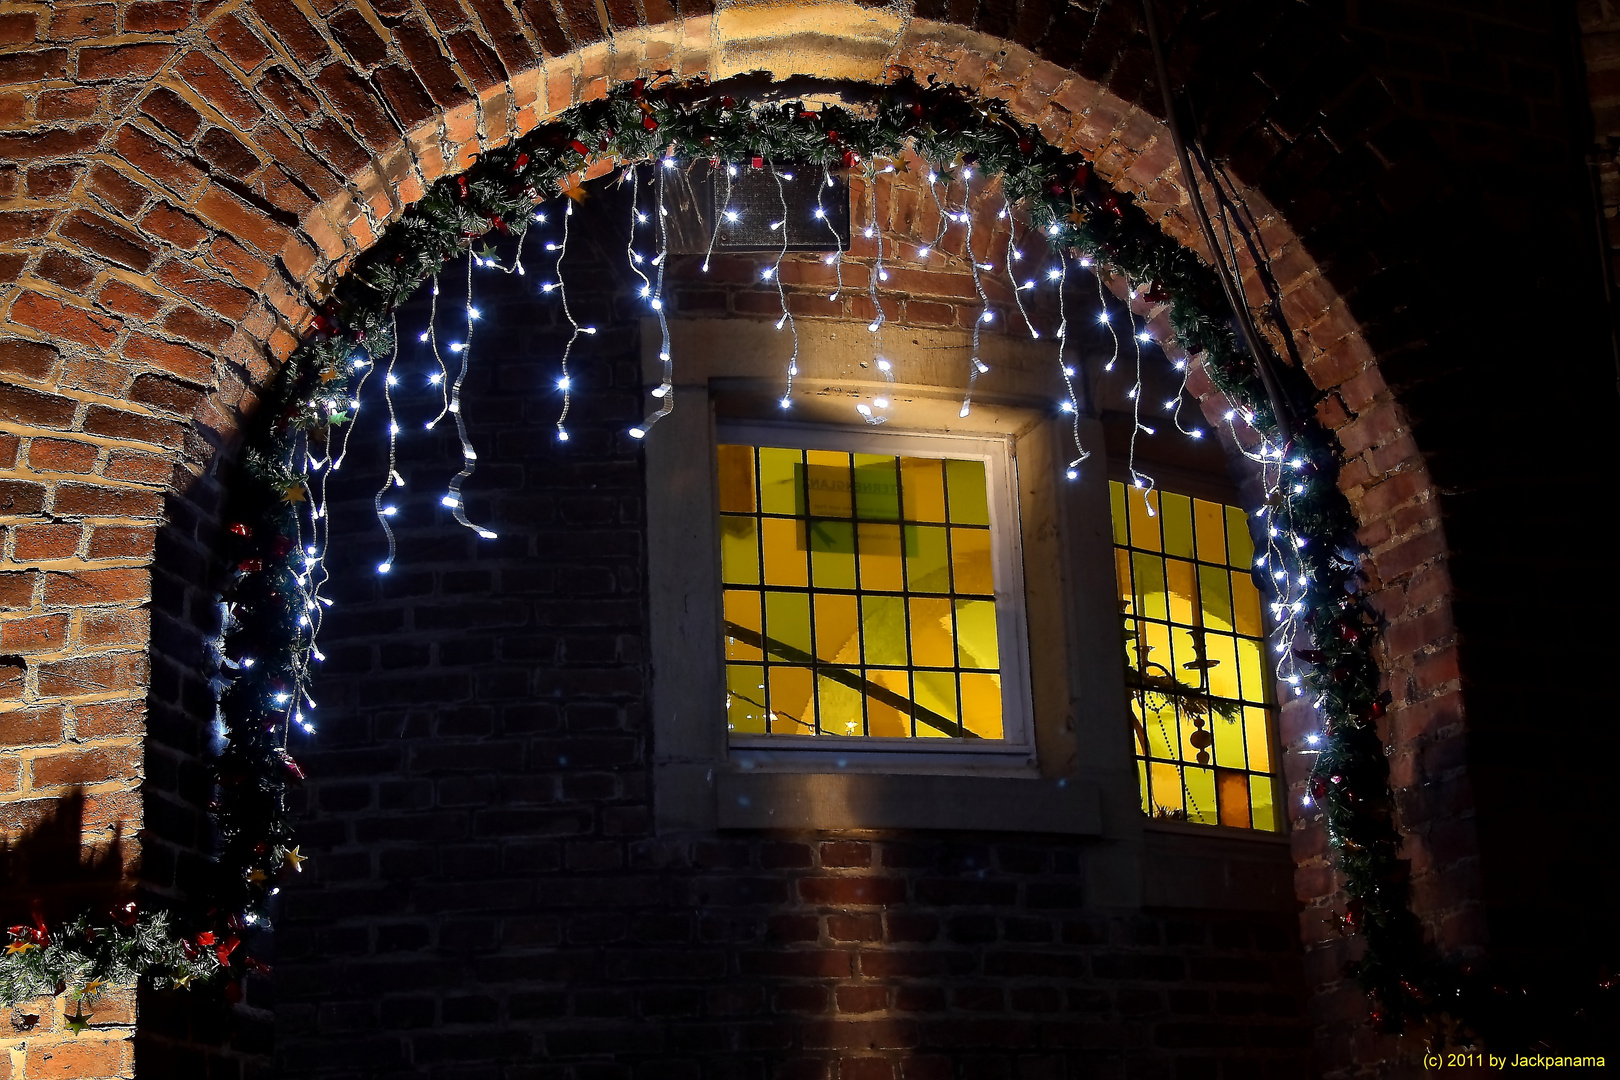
(860, 595)
(1202, 712)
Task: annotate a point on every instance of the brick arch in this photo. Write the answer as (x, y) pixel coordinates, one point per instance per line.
(183, 188)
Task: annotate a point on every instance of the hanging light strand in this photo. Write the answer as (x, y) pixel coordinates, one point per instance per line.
(1072, 404)
(976, 366)
(725, 212)
(665, 390)
(440, 378)
(781, 292)
(1013, 255)
(469, 458)
(393, 477)
(837, 258)
(564, 381)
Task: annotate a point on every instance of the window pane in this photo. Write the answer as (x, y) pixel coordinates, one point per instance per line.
(1211, 523)
(1116, 500)
(981, 704)
(1200, 784)
(877, 488)
(1144, 525)
(838, 638)
(832, 554)
(743, 618)
(827, 483)
(880, 552)
(1165, 790)
(1182, 589)
(922, 484)
(970, 561)
(883, 626)
(1232, 790)
(778, 476)
(1257, 730)
(936, 701)
(784, 542)
(793, 708)
(840, 707)
(976, 634)
(739, 550)
(933, 642)
(737, 479)
(888, 704)
(964, 482)
(927, 561)
(787, 626)
(1246, 604)
(745, 698)
(1176, 514)
(1263, 797)
(1239, 544)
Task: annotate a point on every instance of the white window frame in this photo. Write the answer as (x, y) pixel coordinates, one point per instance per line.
(1012, 754)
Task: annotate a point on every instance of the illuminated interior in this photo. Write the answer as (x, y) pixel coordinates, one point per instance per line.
(859, 595)
(1201, 694)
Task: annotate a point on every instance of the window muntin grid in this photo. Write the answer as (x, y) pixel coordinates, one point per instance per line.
(859, 595)
(1201, 693)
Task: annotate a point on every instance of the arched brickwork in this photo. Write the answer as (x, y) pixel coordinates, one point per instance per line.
(181, 178)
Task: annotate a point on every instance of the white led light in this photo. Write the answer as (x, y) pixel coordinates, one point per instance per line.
(987, 316)
(393, 429)
(1053, 229)
(765, 274)
(550, 246)
(436, 378)
(731, 170)
(863, 408)
(383, 568)
(867, 232)
(357, 364)
(563, 383)
(646, 290)
(776, 225)
(967, 172)
(873, 326)
(732, 215)
(1053, 275)
(587, 329)
(423, 336)
(1085, 262)
(562, 436)
(981, 365)
(661, 390)
(548, 286)
(1066, 406)
(881, 402)
(457, 346)
(965, 411)
(1102, 316)
(638, 433)
(449, 500)
(884, 365)
(658, 305)
(390, 511)
(922, 253)
(641, 217)
(1196, 433)
(472, 312)
(820, 213)
(1074, 474)
(669, 163)
(785, 402)
(393, 380)
(1144, 336)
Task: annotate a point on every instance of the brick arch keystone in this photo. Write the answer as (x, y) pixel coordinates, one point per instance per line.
(178, 189)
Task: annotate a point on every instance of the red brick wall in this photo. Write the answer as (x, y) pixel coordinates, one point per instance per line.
(173, 175)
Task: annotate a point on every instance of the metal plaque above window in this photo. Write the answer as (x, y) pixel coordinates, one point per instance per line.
(753, 206)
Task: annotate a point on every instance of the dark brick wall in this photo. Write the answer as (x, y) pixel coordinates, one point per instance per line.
(487, 897)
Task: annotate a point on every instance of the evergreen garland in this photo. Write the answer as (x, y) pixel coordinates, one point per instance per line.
(269, 650)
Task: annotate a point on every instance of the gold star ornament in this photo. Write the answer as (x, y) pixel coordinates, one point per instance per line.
(79, 1022)
(296, 860)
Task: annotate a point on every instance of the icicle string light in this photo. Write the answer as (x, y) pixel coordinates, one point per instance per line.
(665, 391)
(385, 512)
(837, 257)
(724, 212)
(976, 366)
(1012, 257)
(564, 380)
(441, 378)
(781, 292)
(469, 458)
(1071, 404)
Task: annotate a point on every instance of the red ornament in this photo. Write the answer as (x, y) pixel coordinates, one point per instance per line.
(1025, 146)
(649, 123)
(126, 914)
(1111, 204)
(522, 160)
(250, 566)
(501, 225)
(832, 136)
(205, 938)
(579, 148)
(288, 763)
(759, 162)
(727, 102)
(1082, 174)
(850, 158)
(638, 87)
(241, 530)
(233, 991)
(461, 183)
(224, 949)
(1155, 293)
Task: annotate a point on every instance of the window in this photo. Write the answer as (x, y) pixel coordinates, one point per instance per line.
(1200, 688)
(871, 591)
